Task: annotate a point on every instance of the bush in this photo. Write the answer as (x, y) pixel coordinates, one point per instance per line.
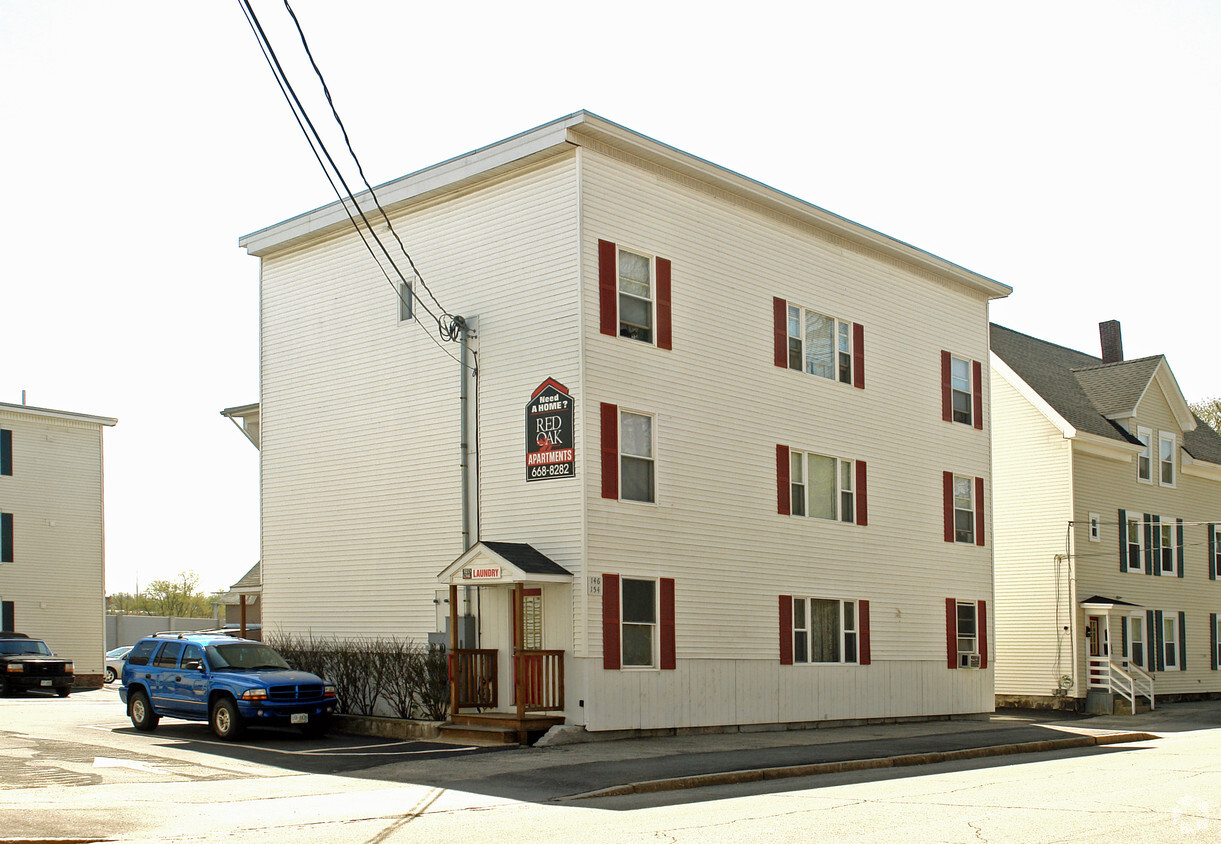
(411, 680)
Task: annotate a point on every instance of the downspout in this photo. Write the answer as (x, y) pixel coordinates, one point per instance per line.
(470, 479)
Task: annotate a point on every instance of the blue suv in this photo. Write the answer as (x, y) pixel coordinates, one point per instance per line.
(225, 681)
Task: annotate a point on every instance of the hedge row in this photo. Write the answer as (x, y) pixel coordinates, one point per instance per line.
(408, 679)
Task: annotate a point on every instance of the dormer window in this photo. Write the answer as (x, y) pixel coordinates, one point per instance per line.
(1144, 460)
(1165, 457)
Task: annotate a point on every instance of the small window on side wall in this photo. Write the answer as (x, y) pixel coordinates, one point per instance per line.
(1095, 527)
(1166, 448)
(406, 301)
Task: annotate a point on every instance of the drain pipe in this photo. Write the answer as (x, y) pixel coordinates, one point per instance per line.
(470, 480)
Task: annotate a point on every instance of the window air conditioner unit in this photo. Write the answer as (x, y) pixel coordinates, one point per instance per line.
(968, 660)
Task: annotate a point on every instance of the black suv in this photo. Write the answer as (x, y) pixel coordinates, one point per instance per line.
(27, 663)
(225, 681)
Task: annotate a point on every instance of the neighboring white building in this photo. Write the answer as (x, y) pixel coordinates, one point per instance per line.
(1108, 503)
(52, 557)
(757, 483)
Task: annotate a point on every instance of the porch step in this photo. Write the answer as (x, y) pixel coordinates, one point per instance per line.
(496, 727)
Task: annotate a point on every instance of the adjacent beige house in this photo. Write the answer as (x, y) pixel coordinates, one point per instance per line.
(1107, 496)
(710, 455)
(52, 558)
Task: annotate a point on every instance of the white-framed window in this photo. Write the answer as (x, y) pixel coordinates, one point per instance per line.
(821, 486)
(1216, 546)
(819, 344)
(1136, 638)
(1166, 447)
(1163, 545)
(1134, 528)
(406, 301)
(825, 630)
(968, 633)
(1144, 460)
(964, 509)
(637, 480)
(1217, 638)
(638, 623)
(635, 296)
(1095, 527)
(960, 390)
(1170, 640)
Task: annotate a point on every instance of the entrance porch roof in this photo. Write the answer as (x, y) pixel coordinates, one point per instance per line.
(492, 563)
(1097, 602)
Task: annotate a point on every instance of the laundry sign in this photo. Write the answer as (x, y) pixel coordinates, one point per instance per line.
(481, 573)
(550, 452)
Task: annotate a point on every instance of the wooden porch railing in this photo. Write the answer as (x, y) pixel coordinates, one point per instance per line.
(472, 679)
(539, 681)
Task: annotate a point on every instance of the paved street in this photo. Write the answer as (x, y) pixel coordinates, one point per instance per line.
(74, 768)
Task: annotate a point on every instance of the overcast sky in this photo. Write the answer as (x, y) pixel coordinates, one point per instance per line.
(1067, 149)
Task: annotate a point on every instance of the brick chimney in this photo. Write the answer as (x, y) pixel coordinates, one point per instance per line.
(1112, 341)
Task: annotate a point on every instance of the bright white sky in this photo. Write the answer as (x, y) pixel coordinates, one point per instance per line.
(1068, 149)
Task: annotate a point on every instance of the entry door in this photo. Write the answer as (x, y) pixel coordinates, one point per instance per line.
(1094, 633)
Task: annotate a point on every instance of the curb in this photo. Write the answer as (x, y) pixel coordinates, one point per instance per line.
(816, 768)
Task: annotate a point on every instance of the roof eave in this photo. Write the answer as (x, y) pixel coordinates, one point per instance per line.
(47, 412)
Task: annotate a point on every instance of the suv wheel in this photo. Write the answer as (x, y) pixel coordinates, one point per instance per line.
(226, 720)
(142, 716)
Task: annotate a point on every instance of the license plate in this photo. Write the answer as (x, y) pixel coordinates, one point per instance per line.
(299, 718)
(46, 682)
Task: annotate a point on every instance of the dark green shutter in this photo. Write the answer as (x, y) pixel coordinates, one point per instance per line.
(1123, 540)
(1182, 641)
(6, 537)
(6, 451)
(1123, 635)
(1155, 535)
(1212, 640)
(1179, 539)
(1149, 567)
(1212, 552)
(1155, 636)
(8, 623)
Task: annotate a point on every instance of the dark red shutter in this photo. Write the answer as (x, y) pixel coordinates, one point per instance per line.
(780, 331)
(979, 511)
(667, 624)
(664, 340)
(947, 395)
(862, 614)
(977, 395)
(784, 499)
(947, 479)
(786, 629)
(610, 451)
(862, 494)
(981, 623)
(858, 356)
(610, 621)
(951, 633)
(608, 288)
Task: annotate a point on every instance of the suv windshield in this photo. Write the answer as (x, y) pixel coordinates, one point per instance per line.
(244, 656)
(24, 646)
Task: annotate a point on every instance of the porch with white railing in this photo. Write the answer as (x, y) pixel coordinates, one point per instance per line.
(1128, 680)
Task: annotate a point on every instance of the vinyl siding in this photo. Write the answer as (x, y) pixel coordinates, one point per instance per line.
(1032, 488)
(360, 434)
(722, 407)
(56, 579)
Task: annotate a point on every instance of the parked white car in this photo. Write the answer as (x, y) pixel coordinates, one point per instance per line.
(114, 662)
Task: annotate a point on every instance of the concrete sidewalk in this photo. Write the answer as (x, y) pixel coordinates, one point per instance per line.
(634, 766)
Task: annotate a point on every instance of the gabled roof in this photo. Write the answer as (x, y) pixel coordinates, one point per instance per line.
(504, 562)
(1090, 395)
(586, 129)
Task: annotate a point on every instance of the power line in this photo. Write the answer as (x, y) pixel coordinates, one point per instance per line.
(448, 329)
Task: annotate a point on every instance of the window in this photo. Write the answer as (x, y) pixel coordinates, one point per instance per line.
(639, 622)
(636, 479)
(406, 301)
(1170, 641)
(1214, 632)
(140, 654)
(167, 657)
(6, 537)
(1095, 523)
(635, 297)
(1163, 540)
(192, 658)
(1143, 460)
(1136, 643)
(962, 397)
(822, 487)
(1133, 542)
(6, 451)
(1166, 450)
(818, 344)
(966, 627)
(824, 631)
(964, 511)
(1214, 553)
